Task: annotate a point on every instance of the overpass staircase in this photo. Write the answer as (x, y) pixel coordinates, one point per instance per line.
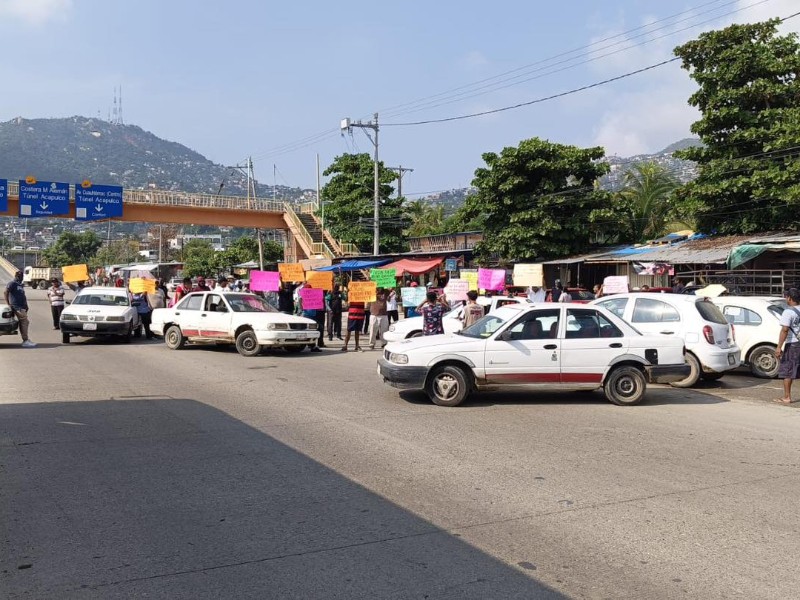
(312, 239)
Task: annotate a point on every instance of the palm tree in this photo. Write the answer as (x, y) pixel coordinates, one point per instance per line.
(647, 198)
(425, 218)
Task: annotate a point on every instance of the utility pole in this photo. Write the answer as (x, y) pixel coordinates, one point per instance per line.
(347, 125)
(248, 171)
(401, 170)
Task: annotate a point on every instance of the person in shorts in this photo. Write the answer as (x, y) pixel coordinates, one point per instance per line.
(788, 350)
(356, 315)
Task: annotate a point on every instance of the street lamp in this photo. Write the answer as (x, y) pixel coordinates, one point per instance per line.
(347, 125)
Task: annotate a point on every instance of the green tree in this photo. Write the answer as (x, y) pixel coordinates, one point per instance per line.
(199, 258)
(538, 200)
(73, 249)
(273, 252)
(647, 200)
(350, 197)
(425, 218)
(117, 252)
(749, 98)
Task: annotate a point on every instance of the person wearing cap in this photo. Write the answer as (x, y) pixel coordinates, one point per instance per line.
(55, 293)
(15, 298)
(201, 285)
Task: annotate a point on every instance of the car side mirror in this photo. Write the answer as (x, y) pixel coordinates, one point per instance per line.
(505, 336)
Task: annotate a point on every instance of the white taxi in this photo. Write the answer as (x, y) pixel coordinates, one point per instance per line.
(525, 346)
(100, 312)
(8, 320)
(245, 320)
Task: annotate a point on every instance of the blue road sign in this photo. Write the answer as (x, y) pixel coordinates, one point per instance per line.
(451, 264)
(3, 195)
(43, 199)
(96, 202)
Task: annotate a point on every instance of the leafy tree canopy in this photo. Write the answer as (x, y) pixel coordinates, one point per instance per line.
(199, 258)
(539, 200)
(749, 98)
(349, 197)
(73, 249)
(647, 200)
(118, 252)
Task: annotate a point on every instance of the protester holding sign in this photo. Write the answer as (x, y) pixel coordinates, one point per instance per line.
(378, 319)
(432, 310)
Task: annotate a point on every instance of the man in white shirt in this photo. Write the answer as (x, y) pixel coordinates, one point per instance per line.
(537, 294)
(789, 354)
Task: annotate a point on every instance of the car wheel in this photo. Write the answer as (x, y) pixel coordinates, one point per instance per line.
(414, 334)
(694, 374)
(294, 349)
(247, 343)
(65, 338)
(448, 386)
(712, 376)
(174, 338)
(625, 386)
(763, 362)
(127, 337)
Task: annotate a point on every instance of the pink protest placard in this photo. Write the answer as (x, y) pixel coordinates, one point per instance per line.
(312, 299)
(492, 279)
(265, 281)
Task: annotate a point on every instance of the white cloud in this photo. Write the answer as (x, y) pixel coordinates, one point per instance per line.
(34, 12)
(473, 60)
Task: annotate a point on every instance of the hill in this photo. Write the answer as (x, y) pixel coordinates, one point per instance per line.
(78, 148)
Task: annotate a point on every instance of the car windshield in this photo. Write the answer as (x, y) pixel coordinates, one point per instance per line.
(248, 303)
(101, 299)
(483, 328)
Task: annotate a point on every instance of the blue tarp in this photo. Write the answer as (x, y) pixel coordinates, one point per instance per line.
(355, 265)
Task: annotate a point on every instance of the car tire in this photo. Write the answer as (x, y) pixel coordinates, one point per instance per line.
(65, 338)
(694, 374)
(763, 362)
(174, 338)
(247, 343)
(415, 334)
(448, 385)
(712, 376)
(127, 337)
(294, 349)
(625, 386)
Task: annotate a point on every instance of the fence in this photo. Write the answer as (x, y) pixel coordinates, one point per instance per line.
(747, 282)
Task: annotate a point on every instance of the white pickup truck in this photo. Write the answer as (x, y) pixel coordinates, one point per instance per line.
(412, 327)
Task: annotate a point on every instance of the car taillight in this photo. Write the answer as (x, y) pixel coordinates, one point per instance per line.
(709, 334)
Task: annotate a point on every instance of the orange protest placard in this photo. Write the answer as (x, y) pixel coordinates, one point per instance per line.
(74, 273)
(361, 291)
(321, 280)
(138, 285)
(291, 272)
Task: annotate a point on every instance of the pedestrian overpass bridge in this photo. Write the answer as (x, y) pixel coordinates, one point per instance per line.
(305, 235)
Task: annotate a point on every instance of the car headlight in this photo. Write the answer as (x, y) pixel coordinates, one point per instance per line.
(274, 326)
(116, 319)
(68, 317)
(398, 359)
(7, 314)
(391, 327)
(312, 326)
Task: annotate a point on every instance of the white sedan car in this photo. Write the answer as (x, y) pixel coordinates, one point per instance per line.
(245, 320)
(557, 346)
(756, 320)
(100, 312)
(8, 321)
(451, 321)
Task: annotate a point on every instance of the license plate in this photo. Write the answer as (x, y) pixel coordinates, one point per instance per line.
(90, 326)
(731, 359)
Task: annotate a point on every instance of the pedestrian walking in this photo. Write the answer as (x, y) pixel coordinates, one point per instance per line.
(15, 298)
(334, 302)
(356, 315)
(432, 309)
(378, 319)
(788, 349)
(391, 307)
(55, 294)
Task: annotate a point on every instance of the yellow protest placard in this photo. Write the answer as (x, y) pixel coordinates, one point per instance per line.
(138, 285)
(362, 291)
(529, 275)
(471, 277)
(321, 280)
(291, 272)
(74, 273)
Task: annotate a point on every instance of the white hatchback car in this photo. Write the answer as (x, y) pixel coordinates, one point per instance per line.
(8, 321)
(756, 320)
(100, 312)
(245, 320)
(711, 349)
(565, 346)
(451, 321)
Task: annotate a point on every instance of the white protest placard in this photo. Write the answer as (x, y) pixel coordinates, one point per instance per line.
(456, 289)
(615, 284)
(529, 275)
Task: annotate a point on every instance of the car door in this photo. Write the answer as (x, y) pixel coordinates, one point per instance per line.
(590, 343)
(215, 318)
(748, 324)
(526, 352)
(187, 314)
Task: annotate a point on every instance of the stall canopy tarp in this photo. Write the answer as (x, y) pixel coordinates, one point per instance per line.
(354, 265)
(413, 267)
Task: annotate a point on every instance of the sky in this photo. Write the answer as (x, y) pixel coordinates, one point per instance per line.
(273, 80)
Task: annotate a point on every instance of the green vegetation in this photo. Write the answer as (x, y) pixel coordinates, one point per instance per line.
(647, 201)
(73, 249)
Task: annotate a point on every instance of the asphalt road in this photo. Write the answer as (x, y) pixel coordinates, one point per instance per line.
(133, 471)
